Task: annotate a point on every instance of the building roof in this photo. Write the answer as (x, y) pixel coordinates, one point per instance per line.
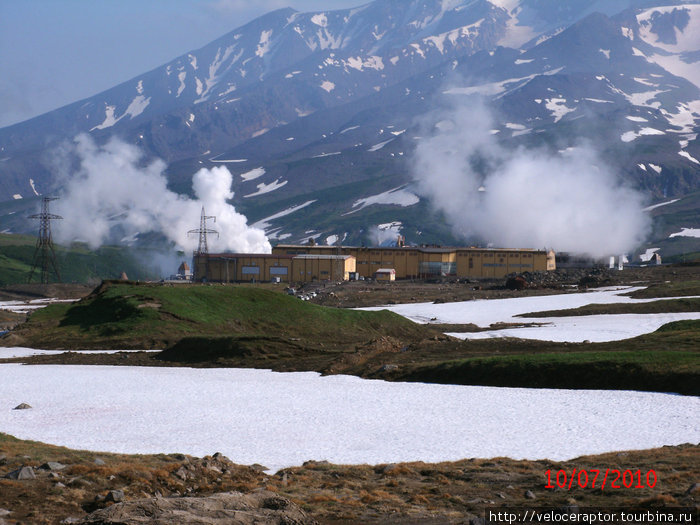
(424, 249)
(249, 255)
(321, 256)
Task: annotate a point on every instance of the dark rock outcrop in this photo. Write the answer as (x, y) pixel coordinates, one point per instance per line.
(229, 508)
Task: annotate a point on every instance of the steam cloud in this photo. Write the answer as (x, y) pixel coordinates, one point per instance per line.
(568, 201)
(114, 191)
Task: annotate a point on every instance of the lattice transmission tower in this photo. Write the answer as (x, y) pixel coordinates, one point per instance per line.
(203, 247)
(44, 254)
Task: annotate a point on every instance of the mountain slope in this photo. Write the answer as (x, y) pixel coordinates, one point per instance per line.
(317, 115)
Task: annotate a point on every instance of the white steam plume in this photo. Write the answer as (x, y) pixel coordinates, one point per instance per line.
(113, 190)
(569, 201)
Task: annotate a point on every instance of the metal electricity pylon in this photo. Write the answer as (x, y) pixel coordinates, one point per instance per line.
(44, 254)
(203, 248)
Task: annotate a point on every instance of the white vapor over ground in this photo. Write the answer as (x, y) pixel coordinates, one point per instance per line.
(113, 189)
(569, 201)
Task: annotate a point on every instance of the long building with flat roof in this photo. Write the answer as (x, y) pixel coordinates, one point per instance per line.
(304, 263)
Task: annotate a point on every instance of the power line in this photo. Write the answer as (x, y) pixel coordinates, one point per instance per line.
(44, 254)
(203, 247)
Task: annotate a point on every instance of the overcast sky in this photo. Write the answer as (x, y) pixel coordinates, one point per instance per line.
(54, 52)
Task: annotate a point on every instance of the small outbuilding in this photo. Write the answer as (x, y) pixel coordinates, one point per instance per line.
(385, 274)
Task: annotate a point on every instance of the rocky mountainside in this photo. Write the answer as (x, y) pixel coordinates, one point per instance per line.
(318, 115)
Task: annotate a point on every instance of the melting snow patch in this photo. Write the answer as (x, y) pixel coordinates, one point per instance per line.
(631, 135)
(523, 61)
(233, 161)
(649, 208)
(687, 232)
(181, 78)
(596, 328)
(510, 125)
(688, 156)
(636, 119)
(657, 169)
(348, 129)
(379, 146)
(321, 155)
(16, 196)
(645, 82)
(328, 86)
(253, 174)
(264, 224)
(266, 188)
(345, 419)
(558, 108)
(31, 183)
(642, 99)
(320, 20)
(260, 132)
(397, 196)
(264, 43)
(606, 52)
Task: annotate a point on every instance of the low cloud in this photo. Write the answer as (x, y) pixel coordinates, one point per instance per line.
(519, 197)
(114, 196)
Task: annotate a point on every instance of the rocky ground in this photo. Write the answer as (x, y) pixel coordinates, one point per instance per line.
(371, 293)
(43, 484)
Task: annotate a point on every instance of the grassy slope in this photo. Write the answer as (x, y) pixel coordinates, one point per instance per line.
(668, 289)
(244, 326)
(129, 315)
(667, 360)
(76, 263)
(652, 307)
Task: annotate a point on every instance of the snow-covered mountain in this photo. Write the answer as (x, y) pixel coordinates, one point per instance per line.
(317, 114)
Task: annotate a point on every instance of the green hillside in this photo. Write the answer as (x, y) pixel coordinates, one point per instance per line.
(131, 315)
(76, 263)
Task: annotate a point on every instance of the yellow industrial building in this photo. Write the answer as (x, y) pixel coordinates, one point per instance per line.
(304, 263)
(231, 267)
(413, 262)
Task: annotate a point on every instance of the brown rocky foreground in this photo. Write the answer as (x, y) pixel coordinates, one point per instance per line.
(42, 484)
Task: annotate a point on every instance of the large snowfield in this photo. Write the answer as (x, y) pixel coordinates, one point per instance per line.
(593, 328)
(284, 419)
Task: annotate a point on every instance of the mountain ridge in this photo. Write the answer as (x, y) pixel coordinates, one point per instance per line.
(308, 96)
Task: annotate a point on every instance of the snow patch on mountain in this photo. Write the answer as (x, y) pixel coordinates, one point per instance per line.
(558, 108)
(135, 108)
(253, 174)
(264, 224)
(397, 196)
(360, 64)
(266, 188)
(264, 43)
(379, 146)
(181, 78)
(653, 207)
(687, 232)
(689, 157)
(629, 136)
